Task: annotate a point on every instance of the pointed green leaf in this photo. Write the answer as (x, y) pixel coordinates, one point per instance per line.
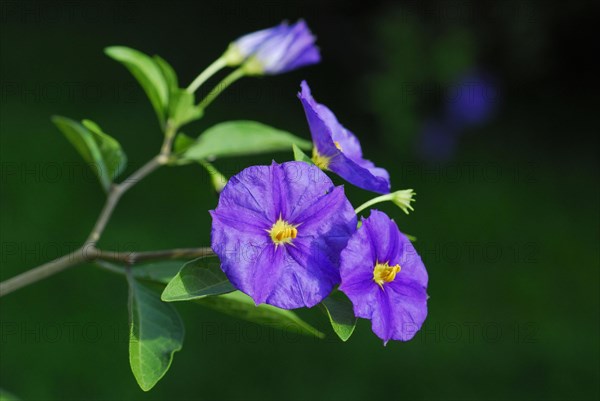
(300, 156)
(239, 305)
(237, 138)
(217, 179)
(197, 279)
(160, 272)
(182, 109)
(156, 332)
(114, 157)
(98, 149)
(168, 72)
(341, 314)
(182, 143)
(148, 73)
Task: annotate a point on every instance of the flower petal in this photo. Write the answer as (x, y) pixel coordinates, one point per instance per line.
(398, 307)
(335, 142)
(302, 185)
(301, 272)
(307, 278)
(320, 131)
(408, 300)
(252, 189)
(360, 176)
(249, 43)
(290, 48)
(267, 270)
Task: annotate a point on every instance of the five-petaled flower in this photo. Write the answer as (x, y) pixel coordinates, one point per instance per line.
(385, 279)
(338, 150)
(274, 50)
(279, 230)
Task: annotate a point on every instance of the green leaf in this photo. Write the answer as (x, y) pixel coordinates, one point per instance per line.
(182, 143)
(156, 333)
(148, 73)
(98, 149)
(237, 138)
(160, 272)
(197, 279)
(238, 304)
(182, 109)
(114, 157)
(341, 314)
(300, 156)
(217, 179)
(168, 72)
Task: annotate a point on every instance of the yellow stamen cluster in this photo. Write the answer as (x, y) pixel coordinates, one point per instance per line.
(282, 232)
(384, 273)
(319, 160)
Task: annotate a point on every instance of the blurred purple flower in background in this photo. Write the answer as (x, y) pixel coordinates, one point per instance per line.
(471, 101)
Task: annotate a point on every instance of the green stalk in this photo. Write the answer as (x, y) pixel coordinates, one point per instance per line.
(221, 86)
(402, 199)
(211, 70)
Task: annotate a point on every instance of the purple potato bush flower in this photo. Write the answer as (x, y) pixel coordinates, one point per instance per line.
(279, 230)
(275, 50)
(338, 150)
(385, 279)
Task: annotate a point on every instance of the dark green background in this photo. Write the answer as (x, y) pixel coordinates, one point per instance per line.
(508, 228)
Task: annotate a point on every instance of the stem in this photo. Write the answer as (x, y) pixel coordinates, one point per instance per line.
(106, 259)
(221, 86)
(165, 150)
(46, 270)
(211, 70)
(89, 252)
(401, 198)
(373, 201)
(131, 258)
(116, 191)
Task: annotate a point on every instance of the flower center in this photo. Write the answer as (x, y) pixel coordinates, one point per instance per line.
(384, 273)
(282, 232)
(319, 160)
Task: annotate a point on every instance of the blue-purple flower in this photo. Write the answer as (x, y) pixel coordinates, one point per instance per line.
(279, 230)
(472, 100)
(385, 279)
(338, 150)
(274, 50)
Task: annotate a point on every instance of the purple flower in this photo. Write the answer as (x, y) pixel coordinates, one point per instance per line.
(338, 150)
(385, 279)
(471, 101)
(279, 230)
(274, 50)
